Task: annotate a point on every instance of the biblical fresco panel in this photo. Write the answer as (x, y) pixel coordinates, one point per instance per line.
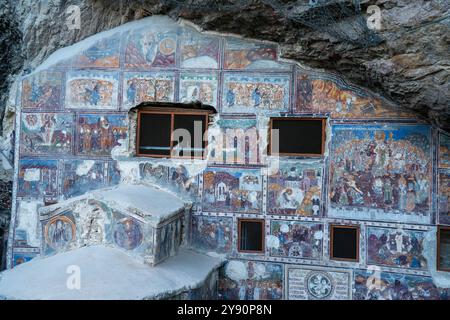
(394, 286)
(104, 53)
(199, 51)
(396, 248)
(42, 91)
(250, 280)
(385, 169)
(37, 178)
(444, 197)
(212, 233)
(59, 232)
(149, 48)
(295, 188)
(232, 190)
(242, 54)
(199, 87)
(238, 142)
(295, 239)
(319, 95)
(255, 93)
(46, 133)
(148, 86)
(99, 134)
(92, 90)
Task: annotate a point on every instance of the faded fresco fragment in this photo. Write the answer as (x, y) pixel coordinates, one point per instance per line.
(103, 54)
(394, 286)
(99, 134)
(241, 54)
(295, 188)
(81, 176)
(59, 232)
(92, 90)
(42, 91)
(251, 280)
(396, 248)
(146, 49)
(380, 167)
(238, 143)
(295, 239)
(444, 197)
(212, 233)
(148, 86)
(317, 95)
(38, 178)
(46, 133)
(199, 87)
(199, 51)
(255, 93)
(444, 151)
(232, 190)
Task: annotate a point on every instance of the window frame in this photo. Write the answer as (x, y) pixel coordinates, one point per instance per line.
(312, 155)
(172, 112)
(438, 244)
(358, 239)
(263, 238)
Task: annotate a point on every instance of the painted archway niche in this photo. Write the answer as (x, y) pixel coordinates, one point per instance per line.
(376, 171)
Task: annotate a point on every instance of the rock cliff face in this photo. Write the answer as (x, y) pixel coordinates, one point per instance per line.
(410, 64)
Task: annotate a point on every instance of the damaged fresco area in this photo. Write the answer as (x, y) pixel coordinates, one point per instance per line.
(251, 280)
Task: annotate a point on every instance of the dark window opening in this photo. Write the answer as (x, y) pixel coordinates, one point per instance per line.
(172, 132)
(297, 136)
(443, 249)
(251, 235)
(344, 243)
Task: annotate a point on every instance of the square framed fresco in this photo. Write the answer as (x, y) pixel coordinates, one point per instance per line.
(250, 280)
(151, 48)
(232, 190)
(148, 86)
(199, 51)
(256, 93)
(98, 134)
(37, 178)
(92, 90)
(212, 233)
(444, 197)
(105, 53)
(313, 283)
(241, 54)
(381, 172)
(199, 87)
(295, 239)
(399, 248)
(238, 142)
(46, 133)
(42, 91)
(81, 176)
(295, 188)
(376, 285)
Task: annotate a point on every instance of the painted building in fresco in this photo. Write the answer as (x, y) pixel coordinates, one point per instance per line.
(382, 169)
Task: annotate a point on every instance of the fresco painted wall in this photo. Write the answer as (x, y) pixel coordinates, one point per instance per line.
(383, 169)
